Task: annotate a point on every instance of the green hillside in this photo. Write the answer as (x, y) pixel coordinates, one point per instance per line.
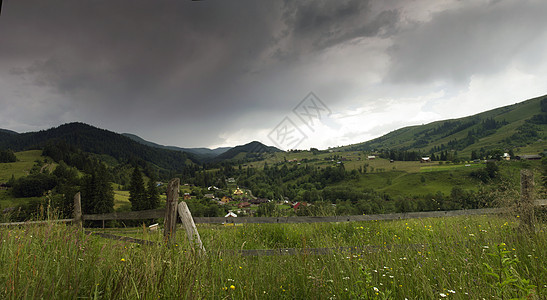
(110, 145)
(520, 127)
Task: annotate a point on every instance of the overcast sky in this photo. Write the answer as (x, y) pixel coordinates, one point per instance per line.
(221, 73)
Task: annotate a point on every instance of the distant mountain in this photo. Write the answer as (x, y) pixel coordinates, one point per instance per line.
(98, 141)
(519, 125)
(202, 153)
(246, 151)
(6, 131)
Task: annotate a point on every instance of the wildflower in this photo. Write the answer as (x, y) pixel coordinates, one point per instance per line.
(442, 295)
(452, 291)
(232, 287)
(375, 289)
(123, 259)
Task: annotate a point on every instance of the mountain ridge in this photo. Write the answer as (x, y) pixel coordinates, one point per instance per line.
(123, 147)
(518, 125)
(201, 151)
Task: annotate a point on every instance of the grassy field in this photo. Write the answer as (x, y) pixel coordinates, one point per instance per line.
(25, 161)
(456, 258)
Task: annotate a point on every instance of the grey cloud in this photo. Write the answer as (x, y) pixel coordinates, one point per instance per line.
(320, 24)
(474, 39)
(138, 52)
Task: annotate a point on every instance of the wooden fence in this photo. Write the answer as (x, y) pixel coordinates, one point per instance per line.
(524, 207)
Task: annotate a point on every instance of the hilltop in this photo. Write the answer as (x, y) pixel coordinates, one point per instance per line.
(126, 147)
(519, 126)
(90, 139)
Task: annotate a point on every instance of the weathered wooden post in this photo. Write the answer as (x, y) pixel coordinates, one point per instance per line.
(190, 227)
(525, 205)
(169, 230)
(77, 213)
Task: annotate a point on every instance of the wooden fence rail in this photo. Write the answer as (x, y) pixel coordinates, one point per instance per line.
(128, 215)
(160, 213)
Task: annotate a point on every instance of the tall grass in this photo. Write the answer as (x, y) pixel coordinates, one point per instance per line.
(414, 259)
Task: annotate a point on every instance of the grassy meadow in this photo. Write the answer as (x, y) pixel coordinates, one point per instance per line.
(23, 165)
(454, 258)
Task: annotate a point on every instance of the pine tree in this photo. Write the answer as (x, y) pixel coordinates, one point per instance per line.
(97, 193)
(137, 192)
(152, 194)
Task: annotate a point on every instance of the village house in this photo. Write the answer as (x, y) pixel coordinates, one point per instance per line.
(243, 204)
(154, 227)
(529, 157)
(186, 196)
(259, 201)
(371, 157)
(230, 215)
(238, 192)
(297, 205)
(425, 159)
(226, 199)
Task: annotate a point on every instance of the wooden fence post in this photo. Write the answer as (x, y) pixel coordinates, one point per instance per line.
(77, 213)
(169, 230)
(525, 206)
(190, 227)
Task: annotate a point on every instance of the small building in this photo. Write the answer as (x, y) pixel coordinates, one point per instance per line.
(186, 196)
(298, 205)
(226, 199)
(529, 157)
(243, 204)
(506, 156)
(238, 192)
(230, 215)
(371, 157)
(154, 227)
(259, 201)
(425, 159)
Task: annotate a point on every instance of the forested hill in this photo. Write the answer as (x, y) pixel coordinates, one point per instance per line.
(246, 152)
(97, 141)
(5, 131)
(518, 125)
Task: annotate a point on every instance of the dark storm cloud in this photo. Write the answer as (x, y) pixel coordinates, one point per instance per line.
(479, 38)
(199, 73)
(320, 24)
(127, 52)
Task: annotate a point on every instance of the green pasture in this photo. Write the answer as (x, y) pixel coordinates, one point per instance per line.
(23, 165)
(456, 258)
(450, 167)
(398, 183)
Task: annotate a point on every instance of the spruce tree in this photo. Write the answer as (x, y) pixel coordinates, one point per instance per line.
(137, 192)
(152, 194)
(97, 192)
